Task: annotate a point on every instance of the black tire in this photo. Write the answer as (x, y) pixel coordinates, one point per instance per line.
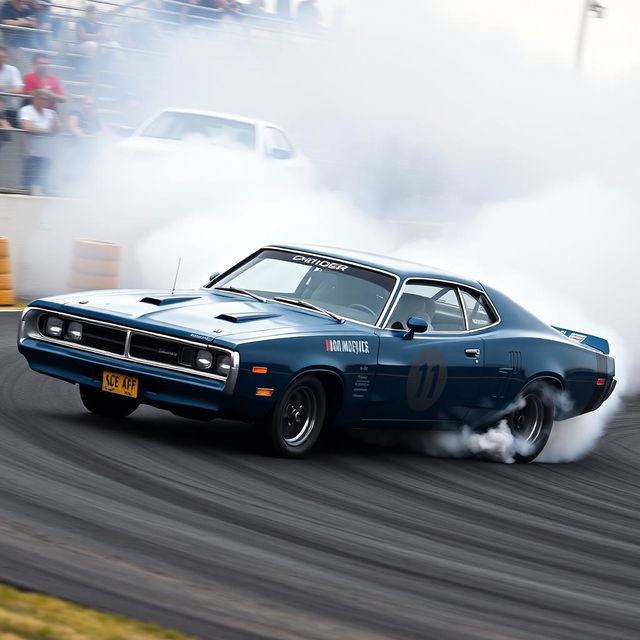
(532, 420)
(106, 404)
(294, 425)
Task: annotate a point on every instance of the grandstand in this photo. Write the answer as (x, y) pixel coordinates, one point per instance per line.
(137, 30)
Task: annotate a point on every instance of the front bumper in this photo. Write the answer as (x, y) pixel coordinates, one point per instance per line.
(157, 386)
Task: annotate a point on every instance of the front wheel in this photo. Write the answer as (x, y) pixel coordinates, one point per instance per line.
(107, 404)
(294, 425)
(531, 421)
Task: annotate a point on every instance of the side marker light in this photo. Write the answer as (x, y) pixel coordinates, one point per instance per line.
(264, 392)
(600, 382)
(259, 370)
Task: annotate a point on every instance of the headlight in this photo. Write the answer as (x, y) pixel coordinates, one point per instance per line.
(204, 359)
(74, 332)
(53, 327)
(223, 365)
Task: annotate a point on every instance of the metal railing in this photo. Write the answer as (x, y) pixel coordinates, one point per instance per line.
(69, 156)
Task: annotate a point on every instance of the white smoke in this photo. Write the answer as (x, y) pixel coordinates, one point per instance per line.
(528, 171)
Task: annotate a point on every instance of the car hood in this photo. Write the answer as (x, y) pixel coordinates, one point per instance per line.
(225, 318)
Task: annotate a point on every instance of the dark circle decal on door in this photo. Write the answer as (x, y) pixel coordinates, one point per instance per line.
(427, 379)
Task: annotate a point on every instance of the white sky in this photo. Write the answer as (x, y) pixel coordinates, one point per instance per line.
(543, 28)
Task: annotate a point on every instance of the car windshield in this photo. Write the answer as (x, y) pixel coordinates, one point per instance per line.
(174, 125)
(349, 291)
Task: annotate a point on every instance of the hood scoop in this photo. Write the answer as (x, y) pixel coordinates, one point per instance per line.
(246, 317)
(163, 302)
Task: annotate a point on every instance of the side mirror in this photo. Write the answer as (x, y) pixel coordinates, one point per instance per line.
(415, 325)
(214, 275)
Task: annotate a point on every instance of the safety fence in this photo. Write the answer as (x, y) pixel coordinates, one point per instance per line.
(67, 159)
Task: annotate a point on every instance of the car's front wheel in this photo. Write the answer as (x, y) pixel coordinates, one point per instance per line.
(531, 421)
(295, 423)
(107, 404)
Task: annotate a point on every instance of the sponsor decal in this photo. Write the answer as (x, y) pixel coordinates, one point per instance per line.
(347, 346)
(320, 262)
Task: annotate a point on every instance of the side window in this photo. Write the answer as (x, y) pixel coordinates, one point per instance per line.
(479, 313)
(276, 144)
(436, 303)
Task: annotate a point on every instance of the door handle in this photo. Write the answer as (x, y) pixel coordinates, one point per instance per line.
(472, 353)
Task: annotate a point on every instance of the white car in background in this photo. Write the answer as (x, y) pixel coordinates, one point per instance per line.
(170, 127)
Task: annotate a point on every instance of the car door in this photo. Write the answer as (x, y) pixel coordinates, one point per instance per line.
(430, 378)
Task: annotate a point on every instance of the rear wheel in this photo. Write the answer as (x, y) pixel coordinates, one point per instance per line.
(531, 421)
(107, 404)
(295, 423)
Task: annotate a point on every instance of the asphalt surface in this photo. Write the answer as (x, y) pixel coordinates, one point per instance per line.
(188, 525)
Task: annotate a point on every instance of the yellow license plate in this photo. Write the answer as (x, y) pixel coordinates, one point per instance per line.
(122, 385)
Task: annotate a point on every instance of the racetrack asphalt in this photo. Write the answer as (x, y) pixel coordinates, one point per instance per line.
(189, 525)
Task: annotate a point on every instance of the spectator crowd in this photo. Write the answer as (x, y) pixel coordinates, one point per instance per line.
(31, 103)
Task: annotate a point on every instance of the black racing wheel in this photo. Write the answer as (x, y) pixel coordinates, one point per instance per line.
(531, 421)
(295, 423)
(107, 404)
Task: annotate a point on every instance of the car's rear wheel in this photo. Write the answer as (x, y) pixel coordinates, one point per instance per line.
(295, 423)
(531, 421)
(107, 404)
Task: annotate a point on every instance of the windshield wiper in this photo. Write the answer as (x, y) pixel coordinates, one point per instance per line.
(243, 291)
(308, 305)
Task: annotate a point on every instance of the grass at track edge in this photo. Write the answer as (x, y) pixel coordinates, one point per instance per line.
(25, 615)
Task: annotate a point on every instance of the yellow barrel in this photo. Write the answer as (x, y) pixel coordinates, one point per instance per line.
(7, 293)
(94, 265)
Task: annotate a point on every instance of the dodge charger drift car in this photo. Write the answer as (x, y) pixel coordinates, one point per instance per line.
(293, 338)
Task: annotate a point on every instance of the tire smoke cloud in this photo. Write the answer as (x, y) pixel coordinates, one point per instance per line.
(430, 142)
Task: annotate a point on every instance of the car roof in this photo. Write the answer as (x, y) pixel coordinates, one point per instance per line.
(218, 114)
(403, 268)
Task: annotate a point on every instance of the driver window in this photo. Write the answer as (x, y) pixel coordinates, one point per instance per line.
(276, 144)
(436, 303)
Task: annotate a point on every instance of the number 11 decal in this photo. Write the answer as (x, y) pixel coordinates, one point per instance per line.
(426, 380)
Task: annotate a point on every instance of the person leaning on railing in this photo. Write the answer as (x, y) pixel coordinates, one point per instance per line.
(91, 33)
(41, 125)
(85, 120)
(18, 13)
(5, 125)
(41, 79)
(10, 82)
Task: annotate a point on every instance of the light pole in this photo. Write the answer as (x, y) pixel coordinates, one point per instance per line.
(589, 8)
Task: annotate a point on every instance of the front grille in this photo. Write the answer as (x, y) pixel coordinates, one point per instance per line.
(160, 350)
(103, 338)
(122, 342)
(94, 336)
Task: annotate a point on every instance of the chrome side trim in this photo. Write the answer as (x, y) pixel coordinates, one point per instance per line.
(457, 286)
(34, 333)
(232, 378)
(463, 306)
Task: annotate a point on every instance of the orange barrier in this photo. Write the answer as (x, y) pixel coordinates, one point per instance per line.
(94, 265)
(7, 292)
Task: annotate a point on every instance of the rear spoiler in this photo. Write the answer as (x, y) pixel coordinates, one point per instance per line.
(584, 338)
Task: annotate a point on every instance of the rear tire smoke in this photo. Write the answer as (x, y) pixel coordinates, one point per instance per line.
(531, 421)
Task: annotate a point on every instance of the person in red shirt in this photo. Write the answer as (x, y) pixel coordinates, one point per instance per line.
(40, 79)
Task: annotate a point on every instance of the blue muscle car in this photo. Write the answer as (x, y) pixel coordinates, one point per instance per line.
(293, 338)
